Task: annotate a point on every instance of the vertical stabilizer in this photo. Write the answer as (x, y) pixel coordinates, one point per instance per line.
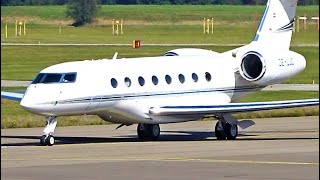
(276, 25)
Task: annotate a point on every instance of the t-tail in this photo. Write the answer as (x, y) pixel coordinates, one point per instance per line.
(276, 25)
(268, 58)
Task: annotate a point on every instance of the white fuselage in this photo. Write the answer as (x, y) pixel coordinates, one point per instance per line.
(124, 90)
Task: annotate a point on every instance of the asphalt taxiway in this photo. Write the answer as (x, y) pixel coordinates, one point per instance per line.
(276, 148)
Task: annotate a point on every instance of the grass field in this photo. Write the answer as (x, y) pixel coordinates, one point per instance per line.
(152, 13)
(13, 116)
(158, 24)
(24, 62)
(150, 24)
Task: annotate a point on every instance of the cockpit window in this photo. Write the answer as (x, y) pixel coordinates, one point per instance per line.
(38, 78)
(55, 78)
(52, 78)
(70, 77)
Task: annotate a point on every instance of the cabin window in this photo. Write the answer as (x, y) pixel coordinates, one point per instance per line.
(168, 79)
(114, 83)
(155, 80)
(195, 77)
(208, 76)
(52, 78)
(68, 78)
(141, 81)
(127, 81)
(181, 78)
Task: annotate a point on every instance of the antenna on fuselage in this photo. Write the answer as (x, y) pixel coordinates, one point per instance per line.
(115, 55)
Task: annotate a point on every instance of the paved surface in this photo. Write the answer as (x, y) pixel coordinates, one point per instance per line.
(295, 87)
(9, 83)
(275, 87)
(69, 44)
(279, 148)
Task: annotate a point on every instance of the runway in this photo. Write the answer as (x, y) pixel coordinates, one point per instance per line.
(276, 148)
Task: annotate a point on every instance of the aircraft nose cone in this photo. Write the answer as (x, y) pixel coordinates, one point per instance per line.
(29, 106)
(25, 104)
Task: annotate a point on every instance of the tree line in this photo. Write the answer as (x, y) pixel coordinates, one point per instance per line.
(173, 2)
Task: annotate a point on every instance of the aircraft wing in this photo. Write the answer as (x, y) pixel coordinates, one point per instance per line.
(12, 96)
(229, 108)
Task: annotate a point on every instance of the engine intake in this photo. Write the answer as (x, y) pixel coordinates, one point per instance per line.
(252, 66)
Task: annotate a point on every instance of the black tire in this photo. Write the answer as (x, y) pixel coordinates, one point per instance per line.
(43, 140)
(231, 131)
(154, 131)
(220, 132)
(141, 131)
(50, 140)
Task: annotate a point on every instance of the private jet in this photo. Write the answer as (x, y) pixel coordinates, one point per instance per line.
(185, 84)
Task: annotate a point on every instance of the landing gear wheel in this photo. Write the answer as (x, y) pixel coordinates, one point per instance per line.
(148, 131)
(154, 131)
(141, 131)
(47, 140)
(231, 131)
(43, 140)
(50, 140)
(219, 131)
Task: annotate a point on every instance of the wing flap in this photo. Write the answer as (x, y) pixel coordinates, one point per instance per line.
(230, 108)
(12, 96)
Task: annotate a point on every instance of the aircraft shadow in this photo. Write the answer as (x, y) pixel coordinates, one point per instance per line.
(166, 136)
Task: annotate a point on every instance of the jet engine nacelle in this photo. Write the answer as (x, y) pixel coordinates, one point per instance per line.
(267, 67)
(252, 66)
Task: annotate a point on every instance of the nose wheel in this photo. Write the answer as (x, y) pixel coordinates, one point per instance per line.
(47, 139)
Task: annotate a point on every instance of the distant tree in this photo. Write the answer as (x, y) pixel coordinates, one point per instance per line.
(82, 11)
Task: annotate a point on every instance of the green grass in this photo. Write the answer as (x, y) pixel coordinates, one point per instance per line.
(13, 116)
(151, 24)
(173, 13)
(235, 33)
(311, 73)
(24, 62)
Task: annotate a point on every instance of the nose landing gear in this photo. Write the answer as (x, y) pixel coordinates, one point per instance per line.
(47, 138)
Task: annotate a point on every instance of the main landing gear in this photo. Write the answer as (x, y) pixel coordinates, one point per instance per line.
(226, 128)
(47, 138)
(148, 131)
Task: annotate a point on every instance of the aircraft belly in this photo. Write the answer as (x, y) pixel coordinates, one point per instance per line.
(137, 110)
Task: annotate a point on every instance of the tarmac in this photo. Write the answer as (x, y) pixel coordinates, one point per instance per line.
(274, 148)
